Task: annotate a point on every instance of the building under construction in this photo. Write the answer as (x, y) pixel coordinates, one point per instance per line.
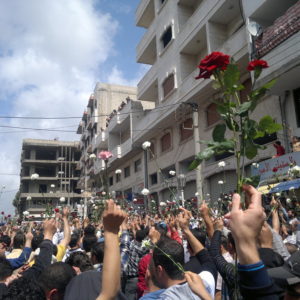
(49, 175)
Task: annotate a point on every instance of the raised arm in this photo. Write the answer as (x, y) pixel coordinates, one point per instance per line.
(67, 230)
(112, 219)
(204, 210)
(245, 227)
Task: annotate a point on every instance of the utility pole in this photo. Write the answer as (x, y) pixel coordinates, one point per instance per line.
(197, 145)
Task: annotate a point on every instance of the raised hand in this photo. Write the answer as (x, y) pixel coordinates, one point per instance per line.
(113, 217)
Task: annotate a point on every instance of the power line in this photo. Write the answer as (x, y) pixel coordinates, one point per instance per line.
(74, 117)
(38, 129)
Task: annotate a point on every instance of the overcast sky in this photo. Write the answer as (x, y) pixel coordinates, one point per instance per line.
(52, 53)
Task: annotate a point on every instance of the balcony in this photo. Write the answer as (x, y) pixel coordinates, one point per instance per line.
(282, 28)
(57, 194)
(148, 86)
(80, 128)
(116, 152)
(101, 140)
(40, 161)
(121, 121)
(146, 52)
(145, 13)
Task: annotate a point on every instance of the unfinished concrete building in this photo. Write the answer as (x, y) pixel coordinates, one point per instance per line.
(49, 175)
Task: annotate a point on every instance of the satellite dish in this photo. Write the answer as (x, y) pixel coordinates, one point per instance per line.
(254, 28)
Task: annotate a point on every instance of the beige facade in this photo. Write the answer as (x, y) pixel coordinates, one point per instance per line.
(56, 164)
(178, 34)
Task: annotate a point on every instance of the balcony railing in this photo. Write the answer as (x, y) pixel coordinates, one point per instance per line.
(283, 27)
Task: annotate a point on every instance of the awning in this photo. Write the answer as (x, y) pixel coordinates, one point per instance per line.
(286, 185)
(265, 189)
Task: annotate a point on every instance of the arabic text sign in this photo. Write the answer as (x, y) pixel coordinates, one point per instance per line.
(279, 164)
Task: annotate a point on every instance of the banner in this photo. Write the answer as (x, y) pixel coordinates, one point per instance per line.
(277, 167)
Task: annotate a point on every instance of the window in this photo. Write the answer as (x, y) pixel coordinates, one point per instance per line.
(297, 105)
(127, 172)
(43, 188)
(111, 181)
(166, 37)
(212, 116)
(165, 142)
(138, 165)
(118, 177)
(168, 85)
(153, 178)
(186, 129)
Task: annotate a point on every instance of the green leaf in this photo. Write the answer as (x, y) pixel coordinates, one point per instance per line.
(195, 163)
(207, 153)
(251, 149)
(231, 77)
(244, 108)
(226, 145)
(219, 133)
(249, 128)
(267, 125)
(216, 85)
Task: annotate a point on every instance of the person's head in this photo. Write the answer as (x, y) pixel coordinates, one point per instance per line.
(89, 230)
(200, 236)
(80, 262)
(162, 269)
(291, 213)
(54, 280)
(162, 228)
(278, 143)
(24, 288)
(224, 244)
(88, 241)
(140, 235)
(19, 240)
(37, 239)
(97, 253)
(5, 269)
(75, 240)
(5, 242)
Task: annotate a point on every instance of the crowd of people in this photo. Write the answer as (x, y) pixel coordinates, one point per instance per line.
(249, 251)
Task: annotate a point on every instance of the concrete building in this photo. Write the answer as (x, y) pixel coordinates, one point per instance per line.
(49, 175)
(179, 33)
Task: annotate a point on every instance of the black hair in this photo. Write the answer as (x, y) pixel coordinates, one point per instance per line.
(278, 143)
(74, 240)
(88, 241)
(5, 268)
(56, 276)
(231, 239)
(24, 288)
(6, 240)
(224, 242)
(98, 251)
(175, 251)
(19, 240)
(140, 235)
(89, 230)
(37, 239)
(80, 260)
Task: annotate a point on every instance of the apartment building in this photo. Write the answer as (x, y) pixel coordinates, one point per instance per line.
(178, 34)
(103, 104)
(49, 175)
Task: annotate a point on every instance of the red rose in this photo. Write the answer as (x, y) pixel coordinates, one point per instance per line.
(56, 210)
(9, 216)
(212, 62)
(275, 169)
(258, 63)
